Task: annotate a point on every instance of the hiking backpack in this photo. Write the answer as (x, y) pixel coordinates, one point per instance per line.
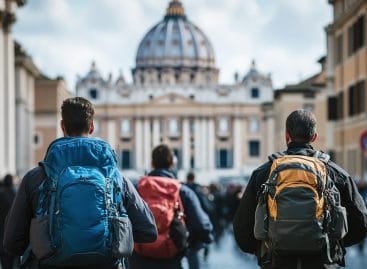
(80, 218)
(163, 198)
(299, 209)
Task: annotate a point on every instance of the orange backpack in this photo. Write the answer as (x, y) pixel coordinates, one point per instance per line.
(163, 198)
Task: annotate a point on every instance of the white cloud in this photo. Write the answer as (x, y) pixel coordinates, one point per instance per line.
(285, 37)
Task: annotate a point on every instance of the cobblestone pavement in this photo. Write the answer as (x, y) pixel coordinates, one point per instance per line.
(226, 255)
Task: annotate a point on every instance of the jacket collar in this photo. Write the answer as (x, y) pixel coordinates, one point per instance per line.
(163, 173)
(297, 148)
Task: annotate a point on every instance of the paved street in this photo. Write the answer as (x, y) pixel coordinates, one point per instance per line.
(227, 256)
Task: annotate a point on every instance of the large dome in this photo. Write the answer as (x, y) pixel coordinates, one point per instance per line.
(175, 42)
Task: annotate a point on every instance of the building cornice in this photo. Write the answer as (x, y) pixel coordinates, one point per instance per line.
(349, 14)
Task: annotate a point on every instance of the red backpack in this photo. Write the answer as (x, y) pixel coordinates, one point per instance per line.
(163, 198)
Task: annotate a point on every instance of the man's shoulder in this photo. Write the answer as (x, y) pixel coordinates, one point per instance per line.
(33, 178)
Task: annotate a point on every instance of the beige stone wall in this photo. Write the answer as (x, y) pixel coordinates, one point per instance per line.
(352, 69)
(285, 103)
(49, 95)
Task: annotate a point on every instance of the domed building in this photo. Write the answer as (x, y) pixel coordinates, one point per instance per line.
(215, 130)
(175, 51)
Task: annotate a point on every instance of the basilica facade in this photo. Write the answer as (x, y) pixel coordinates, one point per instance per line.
(215, 130)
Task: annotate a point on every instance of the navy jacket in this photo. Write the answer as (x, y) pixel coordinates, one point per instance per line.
(197, 222)
(16, 237)
(243, 224)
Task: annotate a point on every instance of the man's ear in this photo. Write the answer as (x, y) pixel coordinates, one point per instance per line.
(314, 137)
(91, 128)
(288, 138)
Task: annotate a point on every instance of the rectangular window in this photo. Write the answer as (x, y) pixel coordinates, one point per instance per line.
(340, 105)
(361, 91)
(356, 98)
(254, 125)
(178, 156)
(339, 49)
(254, 148)
(332, 108)
(126, 159)
(224, 158)
(356, 36)
(351, 100)
(125, 128)
(255, 93)
(173, 127)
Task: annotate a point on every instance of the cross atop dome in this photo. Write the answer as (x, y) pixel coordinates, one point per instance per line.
(175, 9)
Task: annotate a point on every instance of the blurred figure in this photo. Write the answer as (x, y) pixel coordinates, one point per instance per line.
(193, 253)
(233, 197)
(362, 189)
(217, 217)
(7, 195)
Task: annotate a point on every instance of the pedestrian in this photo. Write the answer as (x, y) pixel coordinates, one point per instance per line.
(7, 194)
(299, 209)
(75, 210)
(208, 207)
(180, 219)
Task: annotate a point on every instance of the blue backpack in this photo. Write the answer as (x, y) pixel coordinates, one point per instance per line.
(80, 217)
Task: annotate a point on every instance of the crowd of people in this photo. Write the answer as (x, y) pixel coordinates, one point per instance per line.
(75, 210)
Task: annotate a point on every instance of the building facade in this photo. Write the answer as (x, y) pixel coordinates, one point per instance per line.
(309, 94)
(25, 75)
(346, 84)
(175, 98)
(49, 95)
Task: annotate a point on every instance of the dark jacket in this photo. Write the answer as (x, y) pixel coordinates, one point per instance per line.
(244, 219)
(16, 238)
(7, 195)
(197, 222)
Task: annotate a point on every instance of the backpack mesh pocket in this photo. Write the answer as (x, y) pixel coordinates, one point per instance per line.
(122, 237)
(39, 237)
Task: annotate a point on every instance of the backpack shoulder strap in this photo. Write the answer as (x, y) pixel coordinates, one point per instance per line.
(322, 156)
(276, 155)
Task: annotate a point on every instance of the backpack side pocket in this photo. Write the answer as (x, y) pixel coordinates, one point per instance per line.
(122, 237)
(39, 237)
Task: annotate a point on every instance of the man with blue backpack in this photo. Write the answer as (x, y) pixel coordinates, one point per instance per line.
(75, 210)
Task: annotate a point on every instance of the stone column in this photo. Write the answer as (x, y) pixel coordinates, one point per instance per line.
(156, 132)
(237, 145)
(3, 112)
(197, 145)
(138, 144)
(9, 80)
(204, 143)
(185, 144)
(211, 144)
(269, 136)
(147, 144)
(111, 132)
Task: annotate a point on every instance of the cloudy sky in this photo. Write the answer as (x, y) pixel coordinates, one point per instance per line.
(285, 37)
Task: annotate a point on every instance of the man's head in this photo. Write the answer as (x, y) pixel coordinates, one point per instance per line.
(190, 178)
(162, 157)
(77, 117)
(301, 127)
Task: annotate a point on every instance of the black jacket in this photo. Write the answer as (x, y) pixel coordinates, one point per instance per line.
(244, 219)
(16, 237)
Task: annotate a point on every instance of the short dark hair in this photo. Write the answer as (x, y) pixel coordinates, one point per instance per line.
(301, 125)
(8, 181)
(162, 157)
(190, 177)
(77, 115)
